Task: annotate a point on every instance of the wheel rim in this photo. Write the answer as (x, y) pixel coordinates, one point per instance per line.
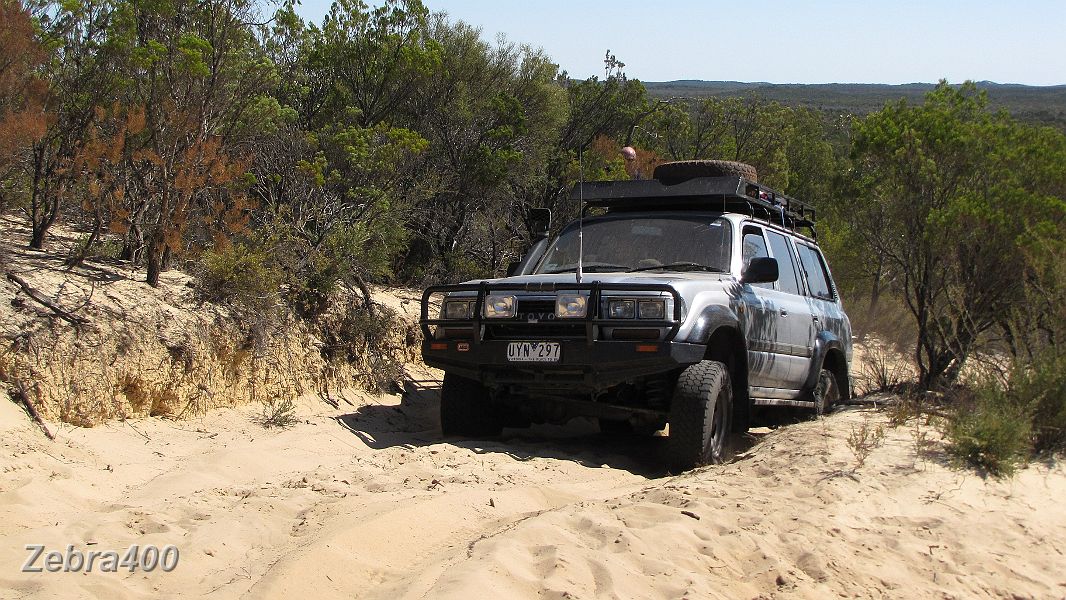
(716, 437)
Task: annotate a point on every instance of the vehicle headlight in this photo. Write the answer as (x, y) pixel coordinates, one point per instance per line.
(458, 309)
(570, 306)
(652, 309)
(499, 307)
(621, 309)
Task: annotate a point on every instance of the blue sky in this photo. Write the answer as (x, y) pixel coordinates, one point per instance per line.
(818, 41)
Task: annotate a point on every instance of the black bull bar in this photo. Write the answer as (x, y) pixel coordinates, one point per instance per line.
(595, 291)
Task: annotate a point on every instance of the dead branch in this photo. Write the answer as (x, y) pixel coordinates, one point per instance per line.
(21, 394)
(37, 297)
(365, 289)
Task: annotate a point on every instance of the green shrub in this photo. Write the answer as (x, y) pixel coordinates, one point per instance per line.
(460, 267)
(864, 439)
(108, 249)
(989, 431)
(318, 273)
(240, 274)
(103, 248)
(313, 286)
(1041, 387)
(999, 425)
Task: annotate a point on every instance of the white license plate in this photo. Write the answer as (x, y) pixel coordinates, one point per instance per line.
(533, 352)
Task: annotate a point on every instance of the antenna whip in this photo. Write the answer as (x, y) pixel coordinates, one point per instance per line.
(581, 213)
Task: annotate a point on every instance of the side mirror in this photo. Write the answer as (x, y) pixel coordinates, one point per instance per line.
(762, 269)
(512, 267)
(540, 221)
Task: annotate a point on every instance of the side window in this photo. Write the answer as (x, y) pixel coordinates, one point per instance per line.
(755, 247)
(788, 281)
(817, 275)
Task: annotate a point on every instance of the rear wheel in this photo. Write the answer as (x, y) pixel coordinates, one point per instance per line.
(700, 413)
(826, 394)
(466, 408)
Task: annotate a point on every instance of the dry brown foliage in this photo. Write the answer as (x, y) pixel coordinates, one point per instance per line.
(22, 94)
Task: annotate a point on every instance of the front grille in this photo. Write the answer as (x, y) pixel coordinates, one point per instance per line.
(543, 310)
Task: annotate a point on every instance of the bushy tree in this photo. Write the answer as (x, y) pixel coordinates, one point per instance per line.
(80, 77)
(335, 177)
(949, 194)
(787, 146)
(491, 118)
(196, 76)
(690, 130)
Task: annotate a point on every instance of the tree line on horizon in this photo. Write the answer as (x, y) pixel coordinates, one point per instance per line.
(387, 143)
(1037, 105)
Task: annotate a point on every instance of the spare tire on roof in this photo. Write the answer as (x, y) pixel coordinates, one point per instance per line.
(675, 172)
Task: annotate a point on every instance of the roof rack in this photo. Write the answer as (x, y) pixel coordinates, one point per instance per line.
(727, 194)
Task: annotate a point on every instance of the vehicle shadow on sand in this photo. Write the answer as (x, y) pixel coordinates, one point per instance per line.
(415, 422)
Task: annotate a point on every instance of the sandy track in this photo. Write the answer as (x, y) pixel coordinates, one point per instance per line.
(245, 504)
(367, 501)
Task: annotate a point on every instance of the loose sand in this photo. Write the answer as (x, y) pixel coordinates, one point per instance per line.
(367, 501)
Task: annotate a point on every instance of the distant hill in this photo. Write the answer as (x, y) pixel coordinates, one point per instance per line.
(1045, 105)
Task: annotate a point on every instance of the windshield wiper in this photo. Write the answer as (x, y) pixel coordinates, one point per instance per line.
(679, 266)
(589, 268)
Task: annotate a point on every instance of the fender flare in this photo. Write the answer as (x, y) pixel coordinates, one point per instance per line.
(711, 319)
(824, 342)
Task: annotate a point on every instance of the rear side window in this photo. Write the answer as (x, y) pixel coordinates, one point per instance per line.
(817, 275)
(788, 280)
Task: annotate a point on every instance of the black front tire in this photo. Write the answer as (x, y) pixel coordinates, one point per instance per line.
(466, 409)
(700, 416)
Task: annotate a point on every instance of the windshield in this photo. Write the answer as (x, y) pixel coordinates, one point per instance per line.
(644, 243)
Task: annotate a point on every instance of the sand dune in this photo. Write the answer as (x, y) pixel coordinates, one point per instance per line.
(368, 502)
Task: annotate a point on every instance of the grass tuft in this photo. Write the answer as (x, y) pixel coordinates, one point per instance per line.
(278, 412)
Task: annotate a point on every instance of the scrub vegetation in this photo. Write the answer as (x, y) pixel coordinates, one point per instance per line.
(281, 162)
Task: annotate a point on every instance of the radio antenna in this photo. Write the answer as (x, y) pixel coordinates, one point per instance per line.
(581, 213)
